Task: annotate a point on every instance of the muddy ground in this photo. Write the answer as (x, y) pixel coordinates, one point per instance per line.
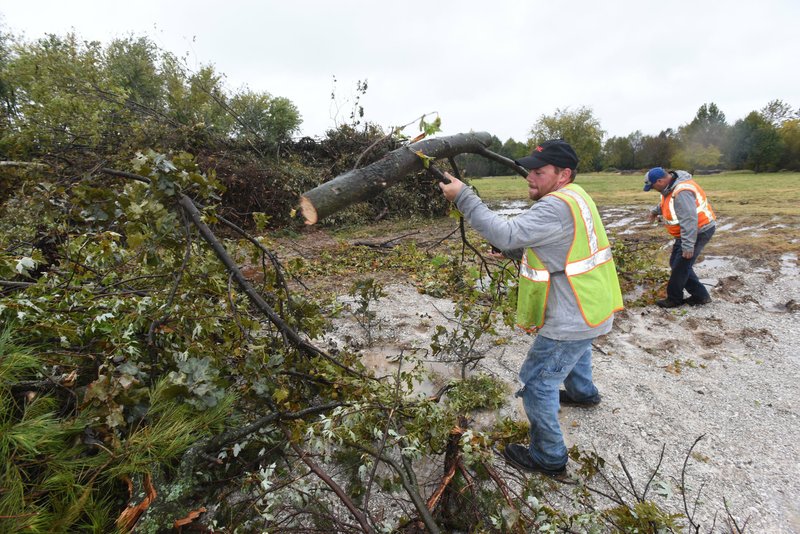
(728, 371)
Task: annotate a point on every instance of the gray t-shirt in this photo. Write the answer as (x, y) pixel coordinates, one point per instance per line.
(548, 228)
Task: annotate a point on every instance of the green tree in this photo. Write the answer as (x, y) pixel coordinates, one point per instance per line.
(707, 128)
(703, 138)
(7, 98)
(132, 67)
(658, 150)
(263, 118)
(776, 112)
(64, 95)
(789, 132)
(618, 153)
(193, 99)
(55, 81)
(579, 128)
(697, 156)
(476, 165)
(755, 144)
(514, 150)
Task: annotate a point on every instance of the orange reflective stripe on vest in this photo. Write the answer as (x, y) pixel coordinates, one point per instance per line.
(704, 212)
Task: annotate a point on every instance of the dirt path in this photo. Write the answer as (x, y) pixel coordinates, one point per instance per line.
(728, 371)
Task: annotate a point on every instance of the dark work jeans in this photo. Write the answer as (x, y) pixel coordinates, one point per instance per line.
(683, 275)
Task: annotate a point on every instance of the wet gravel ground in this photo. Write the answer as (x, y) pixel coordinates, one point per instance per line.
(727, 371)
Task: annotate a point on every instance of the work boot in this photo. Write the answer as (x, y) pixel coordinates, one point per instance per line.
(697, 301)
(668, 303)
(520, 457)
(566, 400)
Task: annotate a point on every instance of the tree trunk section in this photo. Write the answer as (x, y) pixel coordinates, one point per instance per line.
(367, 182)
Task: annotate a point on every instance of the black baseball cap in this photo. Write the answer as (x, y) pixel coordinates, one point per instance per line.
(554, 152)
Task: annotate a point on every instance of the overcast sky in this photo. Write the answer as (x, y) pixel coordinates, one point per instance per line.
(489, 65)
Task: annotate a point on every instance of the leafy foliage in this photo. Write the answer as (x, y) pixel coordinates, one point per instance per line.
(580, 128)
(477, 392)
(143, 357)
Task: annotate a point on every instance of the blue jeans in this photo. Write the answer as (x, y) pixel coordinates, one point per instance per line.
(549, 363)
(683, 275)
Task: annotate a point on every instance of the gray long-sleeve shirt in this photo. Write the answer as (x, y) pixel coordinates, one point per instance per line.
(686, 212)
(548, 228)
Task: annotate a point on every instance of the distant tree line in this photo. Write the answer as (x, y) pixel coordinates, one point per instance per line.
(766, 140)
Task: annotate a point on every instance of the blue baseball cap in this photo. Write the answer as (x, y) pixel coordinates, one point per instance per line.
(652, 176)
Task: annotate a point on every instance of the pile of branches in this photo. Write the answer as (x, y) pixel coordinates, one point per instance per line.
(152, 378)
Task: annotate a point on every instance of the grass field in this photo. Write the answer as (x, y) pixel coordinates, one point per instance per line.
(731, 194)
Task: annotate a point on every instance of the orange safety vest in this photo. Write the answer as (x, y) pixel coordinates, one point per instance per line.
(704, 212)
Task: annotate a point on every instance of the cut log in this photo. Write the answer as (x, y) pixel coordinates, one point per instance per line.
(366, 182)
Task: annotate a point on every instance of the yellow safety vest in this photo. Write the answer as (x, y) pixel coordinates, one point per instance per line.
(590, 268)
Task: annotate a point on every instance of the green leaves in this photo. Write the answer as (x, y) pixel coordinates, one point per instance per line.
(426, 160)
(200, 379)
(430, 128)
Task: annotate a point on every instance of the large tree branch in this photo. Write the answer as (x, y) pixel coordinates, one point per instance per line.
(366, 182)
(290, 335)
(488, 154)
(408, 485)
(337, 489)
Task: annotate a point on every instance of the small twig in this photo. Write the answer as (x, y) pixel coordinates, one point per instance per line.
(629, 477)
(442, 240)
(376, 143)
(16, 285)
(390, 243)
(732, 521)
(655, 472)
(689, 516)
(500, 484)
(276, 264)
(215, 443)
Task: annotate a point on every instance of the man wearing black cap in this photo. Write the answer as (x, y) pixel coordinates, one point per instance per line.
(688, 217)
(568, 292)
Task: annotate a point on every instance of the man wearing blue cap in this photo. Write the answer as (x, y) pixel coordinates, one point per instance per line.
(688, 217)
(568, 292)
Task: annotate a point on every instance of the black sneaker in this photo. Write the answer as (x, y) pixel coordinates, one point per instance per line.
(697, 301)
(667, 303)
(566, 400)
(518, 456)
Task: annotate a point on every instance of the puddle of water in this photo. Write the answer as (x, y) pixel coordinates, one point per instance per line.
(510, 208)
(625, 221)
(384, 361)
(774, 307)
(789, 264)
(714, 262)
(726, 226)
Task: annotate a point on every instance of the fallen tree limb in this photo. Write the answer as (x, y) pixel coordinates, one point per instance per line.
(488, 154)
(289, 334)
(326, 478)
(408, 485)
(366, 182)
